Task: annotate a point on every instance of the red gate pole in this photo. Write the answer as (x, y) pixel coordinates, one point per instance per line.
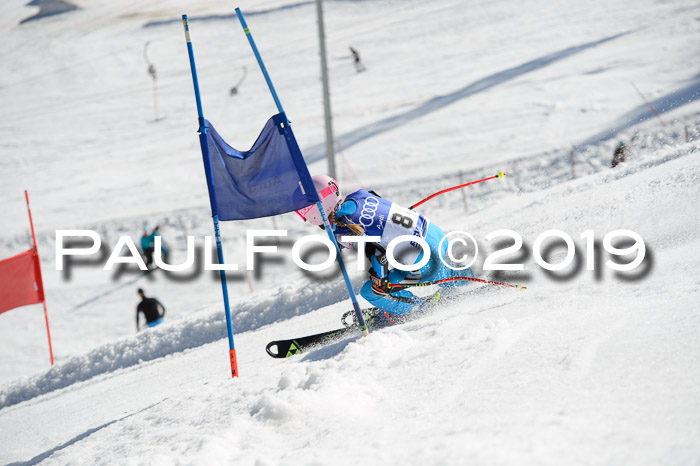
(37, 272)
(648, 104)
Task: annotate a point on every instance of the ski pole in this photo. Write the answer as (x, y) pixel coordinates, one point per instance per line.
(499, 175)
(399, 287)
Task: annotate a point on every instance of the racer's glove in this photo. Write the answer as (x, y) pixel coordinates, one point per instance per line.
(380, 285)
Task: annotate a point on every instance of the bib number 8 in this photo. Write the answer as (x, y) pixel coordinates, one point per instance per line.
(406, 222)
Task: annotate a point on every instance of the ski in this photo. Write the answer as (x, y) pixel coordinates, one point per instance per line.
(292, 346)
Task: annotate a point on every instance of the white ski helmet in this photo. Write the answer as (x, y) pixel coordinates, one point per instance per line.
(328, 192)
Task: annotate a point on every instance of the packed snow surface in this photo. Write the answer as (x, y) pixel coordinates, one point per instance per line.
(584, 366)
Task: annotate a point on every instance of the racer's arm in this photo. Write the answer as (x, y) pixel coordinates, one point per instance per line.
(162, 314)
(346, 208)
(375, 253)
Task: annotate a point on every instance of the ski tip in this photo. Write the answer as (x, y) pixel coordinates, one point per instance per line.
(274, 354)
(521, 287)
(500, 174)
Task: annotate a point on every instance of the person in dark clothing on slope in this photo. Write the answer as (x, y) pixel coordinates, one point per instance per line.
(153, 311)
(620, 154)
(356, 59)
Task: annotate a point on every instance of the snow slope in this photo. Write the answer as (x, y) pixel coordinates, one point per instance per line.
(593, 368)
(580, 371)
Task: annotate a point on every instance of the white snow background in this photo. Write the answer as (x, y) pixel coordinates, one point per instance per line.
(592, 368)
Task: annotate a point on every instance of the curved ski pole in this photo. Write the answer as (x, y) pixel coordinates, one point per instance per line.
(399, 287)
(499, 175)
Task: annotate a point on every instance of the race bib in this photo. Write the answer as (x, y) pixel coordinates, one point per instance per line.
(402, 221)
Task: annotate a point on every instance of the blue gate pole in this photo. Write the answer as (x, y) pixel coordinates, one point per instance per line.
(212, 197)
(329, 230)
(260, 60)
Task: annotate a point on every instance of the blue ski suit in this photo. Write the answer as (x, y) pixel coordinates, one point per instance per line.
(383, 218)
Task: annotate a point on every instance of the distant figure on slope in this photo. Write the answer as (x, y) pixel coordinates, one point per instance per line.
(365, 213)
(148, 245)
(620, 154)
(356, 58)
(153, 311)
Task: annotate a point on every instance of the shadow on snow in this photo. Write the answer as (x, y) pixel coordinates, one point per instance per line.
(41, 457)
(438, 103)
(230, 16)
(666, 103)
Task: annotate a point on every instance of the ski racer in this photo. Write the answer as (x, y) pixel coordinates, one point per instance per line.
(366, 213)
(620, 154)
